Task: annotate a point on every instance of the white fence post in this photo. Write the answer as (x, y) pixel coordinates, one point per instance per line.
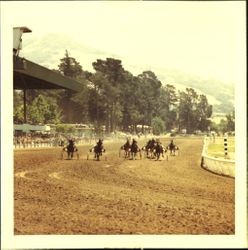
(225, 147)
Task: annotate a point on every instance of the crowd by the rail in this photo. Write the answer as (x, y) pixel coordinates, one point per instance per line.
(40, 141)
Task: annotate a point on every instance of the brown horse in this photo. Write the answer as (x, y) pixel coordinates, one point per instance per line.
(127, 149)
(134, 150)
(70, 149)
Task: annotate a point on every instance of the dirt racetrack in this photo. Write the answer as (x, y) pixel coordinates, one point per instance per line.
(120, 196)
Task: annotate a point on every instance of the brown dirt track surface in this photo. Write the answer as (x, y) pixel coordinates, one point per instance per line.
(120, 196)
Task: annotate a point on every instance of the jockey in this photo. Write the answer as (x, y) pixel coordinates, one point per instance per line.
(148, 144)
(71, 141)
(127, 144)
(152, 143)
(99, 143)
(98, 148)
(134, 141)
(171, 145)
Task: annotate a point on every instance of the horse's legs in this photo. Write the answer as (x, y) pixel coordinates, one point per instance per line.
(158, 155)
(148, 155)
(69, 155)
(126, 154)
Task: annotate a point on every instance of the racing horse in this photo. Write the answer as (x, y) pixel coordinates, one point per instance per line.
(97, 150)
(134, 150)
(173, 148)
(149, 149)
(127, 149)
(159, 150)
(70, 149)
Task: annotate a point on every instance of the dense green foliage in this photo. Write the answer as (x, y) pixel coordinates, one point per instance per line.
(113, 98)
(225, 125)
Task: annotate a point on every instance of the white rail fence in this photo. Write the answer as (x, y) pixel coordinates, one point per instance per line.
(28, 143)
(217, 165)
(48, 143)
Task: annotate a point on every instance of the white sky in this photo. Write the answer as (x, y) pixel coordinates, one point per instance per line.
(203, 38)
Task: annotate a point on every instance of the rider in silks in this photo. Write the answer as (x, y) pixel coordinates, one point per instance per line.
(127, 145)
(134, 146)
(71, 148)
(152, 143)
(134, 149)
(99, 145)
(70, 144)
(171, 145)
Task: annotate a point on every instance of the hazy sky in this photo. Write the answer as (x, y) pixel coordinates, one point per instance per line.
(203, 38)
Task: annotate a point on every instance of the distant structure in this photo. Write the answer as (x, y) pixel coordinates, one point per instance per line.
(17, 40)
(29, 75)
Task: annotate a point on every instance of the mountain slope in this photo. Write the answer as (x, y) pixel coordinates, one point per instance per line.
(219, 94)
(49, 49)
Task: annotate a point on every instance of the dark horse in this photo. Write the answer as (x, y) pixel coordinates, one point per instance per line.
(149, 148)
(134, 150)
(98, 150)
(70, 149)
(173, 148)
(127, 148)
(159, 150)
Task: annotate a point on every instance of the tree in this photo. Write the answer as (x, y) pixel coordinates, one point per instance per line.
(230, 126)
(69, 66)
(158, 125)
(223, 126)
(97, 101)
(113, 73)
(18, 107)
(130, 99)
(187, 109)
(194, 111)
(168, 106)
(73, 108)
(43, 111)
(203, 112)
(149, 96)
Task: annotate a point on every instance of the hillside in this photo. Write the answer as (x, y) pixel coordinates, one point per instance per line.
(219, 94)
(48, 50)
